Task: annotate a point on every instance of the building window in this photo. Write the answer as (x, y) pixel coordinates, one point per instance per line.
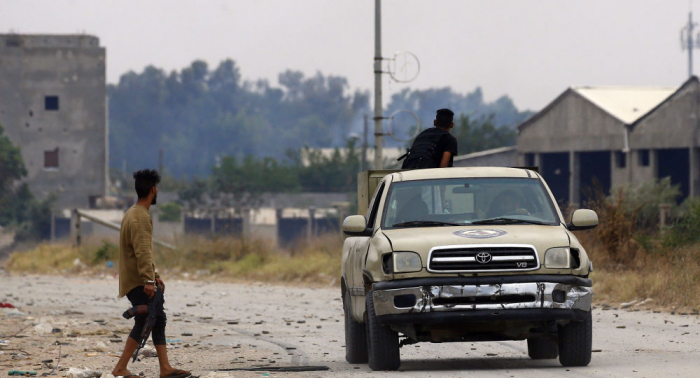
(643, 158)
(51, 102)
(51, 159)
(621, 159)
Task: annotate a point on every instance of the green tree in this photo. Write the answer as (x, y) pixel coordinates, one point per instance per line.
(479, 134)
(18, 207)
(242, 183)
(335, 173)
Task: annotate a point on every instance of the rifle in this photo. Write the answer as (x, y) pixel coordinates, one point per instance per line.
(155, 306)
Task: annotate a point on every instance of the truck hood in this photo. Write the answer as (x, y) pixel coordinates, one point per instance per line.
(423, 239)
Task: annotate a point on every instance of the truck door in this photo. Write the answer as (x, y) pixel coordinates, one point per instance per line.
(362, 244)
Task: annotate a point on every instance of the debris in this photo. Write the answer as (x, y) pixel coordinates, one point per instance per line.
(6, 305)
(22, 373)
(44, 328)
(110, 264)
(621, 327)
(170, 341)
(185, 334)
(628, 304)
(597, 350)
(147, 351)
(644, 302)
(83, 373)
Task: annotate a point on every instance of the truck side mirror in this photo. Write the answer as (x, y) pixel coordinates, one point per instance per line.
(354, 224)
(583, 219)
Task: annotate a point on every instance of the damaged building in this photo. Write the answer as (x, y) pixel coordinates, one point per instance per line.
(598, 136)
(53, 106)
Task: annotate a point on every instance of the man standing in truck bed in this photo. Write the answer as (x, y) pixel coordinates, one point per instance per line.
(434, 147)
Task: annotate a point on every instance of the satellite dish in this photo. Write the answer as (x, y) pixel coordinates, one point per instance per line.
(394, 127)
(404, 67)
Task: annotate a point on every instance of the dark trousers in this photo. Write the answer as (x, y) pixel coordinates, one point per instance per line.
(137, 297)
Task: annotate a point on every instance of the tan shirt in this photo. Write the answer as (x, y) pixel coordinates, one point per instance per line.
(135, 250)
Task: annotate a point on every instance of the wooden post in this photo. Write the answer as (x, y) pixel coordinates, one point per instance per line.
(78, 228)
(53, 226)
(310, 225)
(664, 214)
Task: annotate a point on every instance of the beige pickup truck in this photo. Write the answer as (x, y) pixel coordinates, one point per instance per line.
(464, 254)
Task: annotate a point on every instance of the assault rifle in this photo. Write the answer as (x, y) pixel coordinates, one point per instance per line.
(155, 306)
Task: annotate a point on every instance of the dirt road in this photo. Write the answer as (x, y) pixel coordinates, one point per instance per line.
(215, 326)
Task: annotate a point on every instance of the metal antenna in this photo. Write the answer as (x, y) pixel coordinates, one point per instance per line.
(687, 41)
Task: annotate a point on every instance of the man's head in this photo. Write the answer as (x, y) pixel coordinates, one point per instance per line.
(444, 119)
(146, 184)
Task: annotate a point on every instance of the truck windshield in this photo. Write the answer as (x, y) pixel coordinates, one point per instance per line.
(464, 201)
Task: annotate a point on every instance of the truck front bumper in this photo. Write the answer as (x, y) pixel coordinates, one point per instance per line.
(448, 299)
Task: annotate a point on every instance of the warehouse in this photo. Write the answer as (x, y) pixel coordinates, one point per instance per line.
(611, 136)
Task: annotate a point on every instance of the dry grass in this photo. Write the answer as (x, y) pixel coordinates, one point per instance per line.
(634, 263)
(630, 263)
(314, 262)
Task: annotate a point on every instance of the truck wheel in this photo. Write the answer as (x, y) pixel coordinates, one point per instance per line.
(542, 348)
(575, 341)
(355, 335)
(382, 341)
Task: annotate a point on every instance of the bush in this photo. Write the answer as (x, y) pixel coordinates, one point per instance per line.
(686, 228)
(170, 212)
(644, 200)
(107, 252)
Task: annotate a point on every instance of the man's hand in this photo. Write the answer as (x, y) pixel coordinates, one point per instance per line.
(160, 283)
(150, 290)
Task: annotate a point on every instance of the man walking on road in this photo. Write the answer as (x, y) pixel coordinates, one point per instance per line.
(433, 147)
(138, 279)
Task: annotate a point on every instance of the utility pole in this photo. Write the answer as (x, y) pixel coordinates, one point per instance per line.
(378, 119)
(365, 131)
(687, 41)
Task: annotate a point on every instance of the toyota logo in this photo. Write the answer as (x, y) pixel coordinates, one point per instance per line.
(483, 257)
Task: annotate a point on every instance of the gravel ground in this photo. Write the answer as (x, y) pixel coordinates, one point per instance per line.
(214, 326)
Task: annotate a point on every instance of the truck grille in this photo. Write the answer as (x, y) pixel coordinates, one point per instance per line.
(480, 258)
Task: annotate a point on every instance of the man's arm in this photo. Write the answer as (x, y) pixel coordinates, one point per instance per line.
(445, 161)
(141, 239)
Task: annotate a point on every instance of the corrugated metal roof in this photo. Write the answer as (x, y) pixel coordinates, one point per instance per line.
(625, 103)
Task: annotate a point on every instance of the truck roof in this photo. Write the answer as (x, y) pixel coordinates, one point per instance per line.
(460, 172)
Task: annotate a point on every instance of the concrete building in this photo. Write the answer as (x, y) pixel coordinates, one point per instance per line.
(610, 136)
(53, 106)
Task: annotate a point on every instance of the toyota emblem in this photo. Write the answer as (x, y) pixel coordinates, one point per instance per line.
(483, 257)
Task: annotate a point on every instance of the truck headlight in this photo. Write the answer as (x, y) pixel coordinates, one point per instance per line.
(406, 262)
(557, 258)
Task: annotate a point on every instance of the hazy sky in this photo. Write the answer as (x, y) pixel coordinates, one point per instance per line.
(531, 50)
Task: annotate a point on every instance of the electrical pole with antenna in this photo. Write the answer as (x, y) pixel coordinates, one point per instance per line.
(378, 119)
(403, 68)
(688, 42)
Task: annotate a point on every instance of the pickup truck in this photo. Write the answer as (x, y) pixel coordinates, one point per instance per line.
(464, 254)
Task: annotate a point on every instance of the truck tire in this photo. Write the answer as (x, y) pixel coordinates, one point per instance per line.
(575, 340)
(355, 336)
(542, 348)
(382, 341)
